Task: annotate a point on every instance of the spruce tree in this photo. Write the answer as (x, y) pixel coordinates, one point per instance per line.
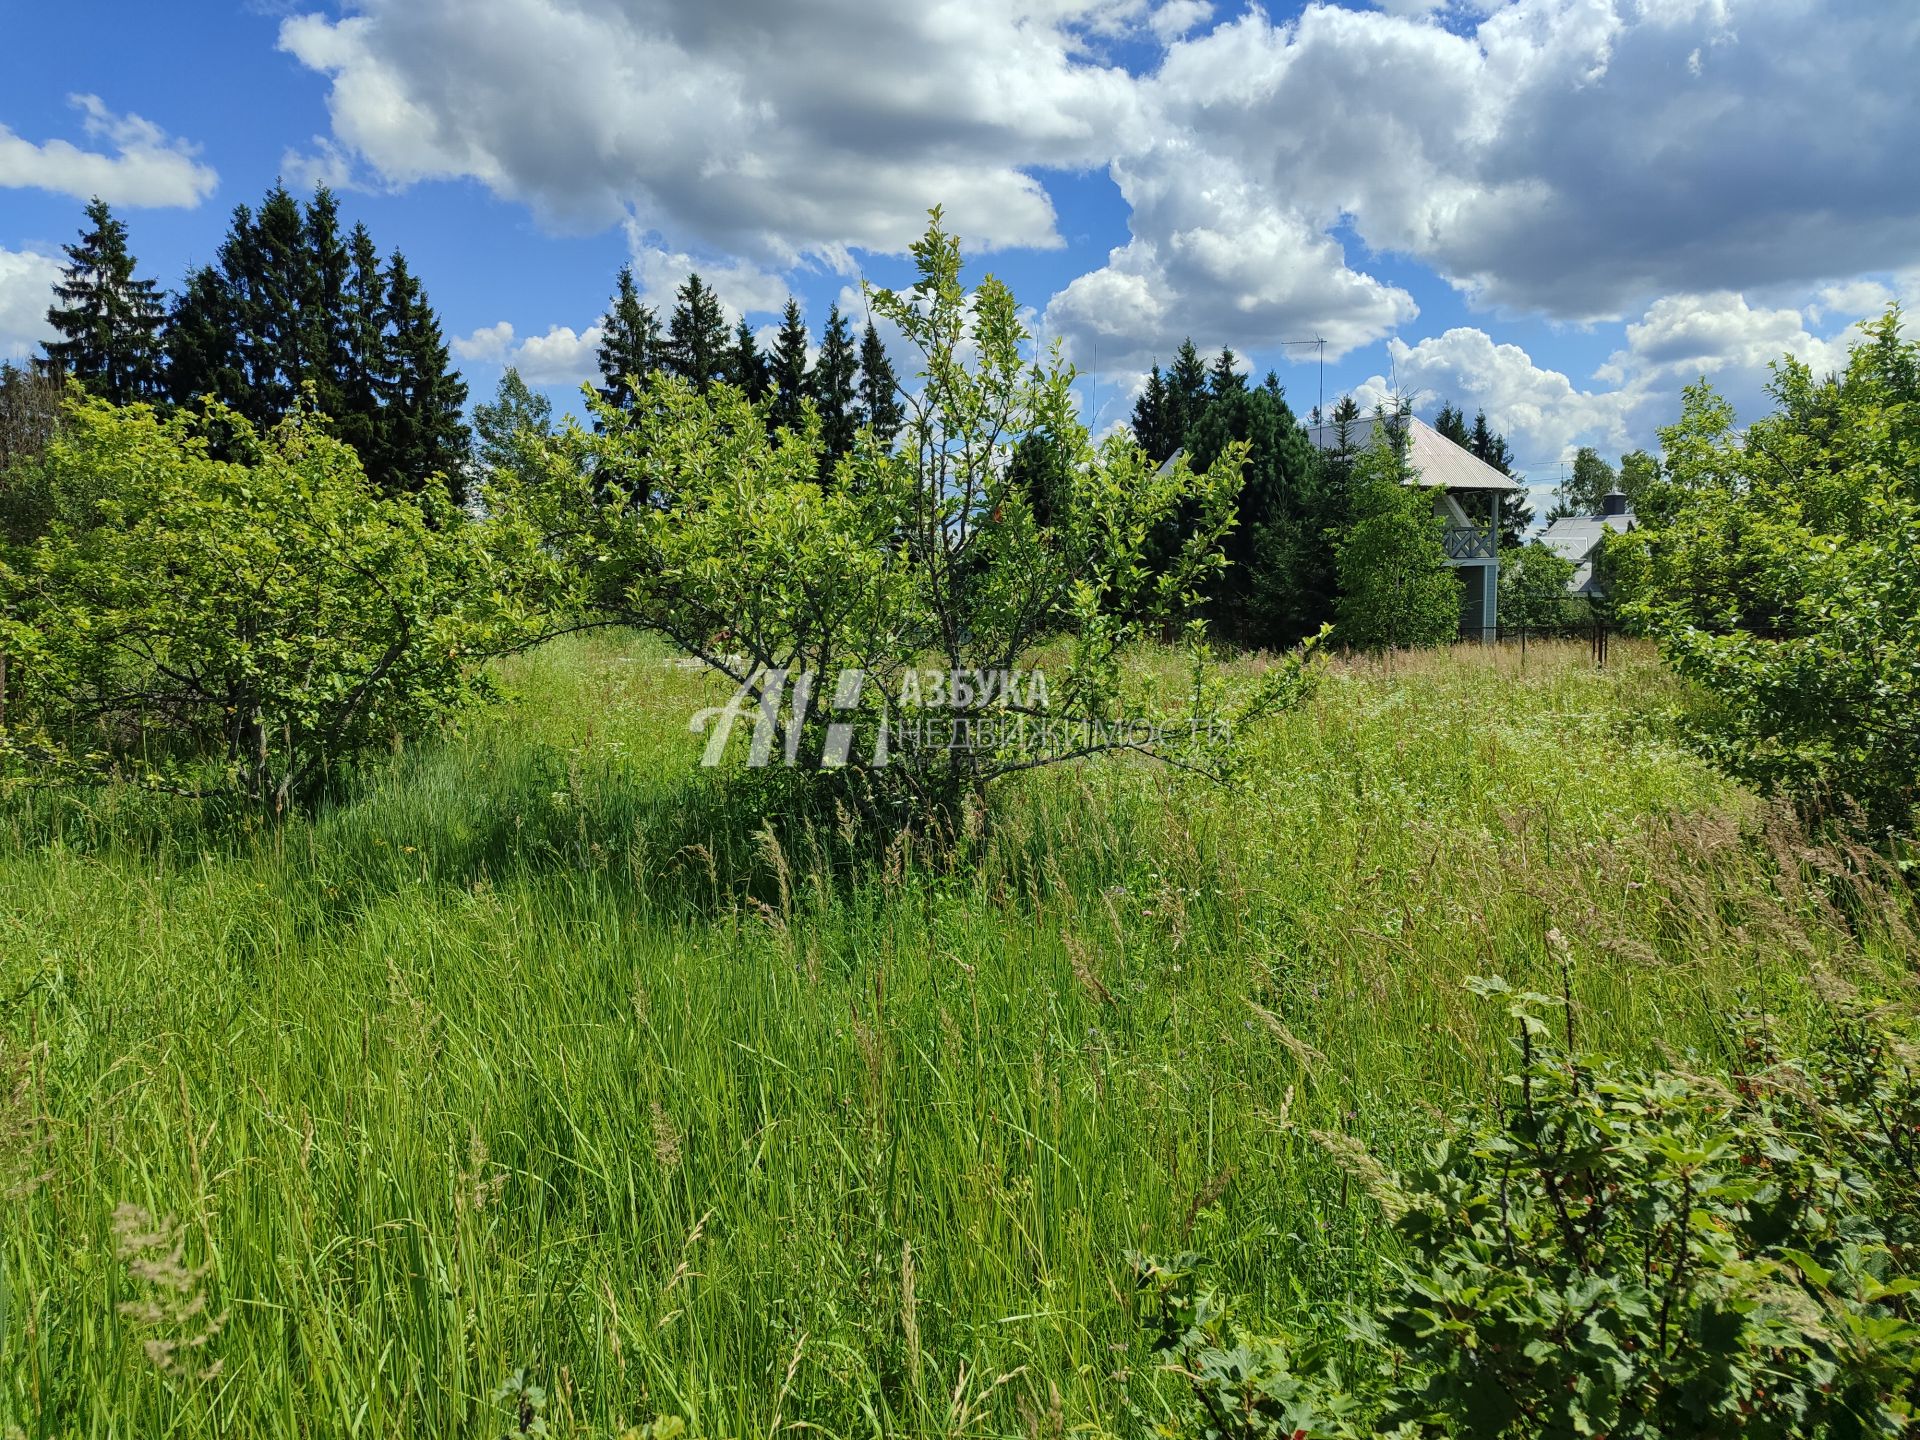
(107, 317)
(278, 270)
(1186, 393)
(789, 370)
(326, 325)
(423, 430)
(1452, 423)
(203, 358)
(288, 304)
(880, 408)
(249, 330)
(629, 342)
(834, 391)
(1223, 379)
(1336, 465)
(746, 367)
(362, 380)
(1043, 468)
(1516, 513)
(1150, 420)
(1278, 584)
(697, 335)
(1489, 445)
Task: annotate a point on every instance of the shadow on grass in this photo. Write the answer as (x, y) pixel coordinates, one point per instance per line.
(498, 809)
(696, 844)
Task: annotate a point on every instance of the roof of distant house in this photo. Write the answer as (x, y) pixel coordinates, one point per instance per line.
(1577, 537)
(1574, 536)
(1435, 459)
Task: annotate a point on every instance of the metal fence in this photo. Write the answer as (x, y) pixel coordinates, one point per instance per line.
(1595, 630)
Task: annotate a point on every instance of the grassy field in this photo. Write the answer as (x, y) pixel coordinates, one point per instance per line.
(549, 1052)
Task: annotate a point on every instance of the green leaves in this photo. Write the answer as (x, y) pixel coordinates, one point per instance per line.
(939, 551)
(1620, 1253)
(1395, 586)
(243, 626)
(1777, 573)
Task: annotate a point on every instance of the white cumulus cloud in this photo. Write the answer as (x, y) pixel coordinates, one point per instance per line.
(147, 167)
(1285, 178)
(1558, 157)
(26, 290)
(763, 129)
(1719, 335)
(562, 356)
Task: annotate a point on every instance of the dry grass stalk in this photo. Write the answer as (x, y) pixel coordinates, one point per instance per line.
(1309, 1058)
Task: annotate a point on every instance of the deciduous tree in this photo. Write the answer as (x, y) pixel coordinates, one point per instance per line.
(243, 626)
(1396, 588)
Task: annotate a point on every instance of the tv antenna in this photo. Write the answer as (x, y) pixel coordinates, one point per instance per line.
(1321, 407)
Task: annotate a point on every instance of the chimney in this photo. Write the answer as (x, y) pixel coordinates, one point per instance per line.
(1613, 503)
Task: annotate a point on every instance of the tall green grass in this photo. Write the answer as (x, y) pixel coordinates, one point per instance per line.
(547, 1051)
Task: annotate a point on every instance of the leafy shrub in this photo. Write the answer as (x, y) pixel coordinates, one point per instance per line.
(1533, 591)
(1775, 567)
(1618, 1253)
(1396, 588)
(231, 626)
(679, 514)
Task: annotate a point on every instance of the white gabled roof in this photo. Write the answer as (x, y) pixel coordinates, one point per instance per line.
(1435, 459)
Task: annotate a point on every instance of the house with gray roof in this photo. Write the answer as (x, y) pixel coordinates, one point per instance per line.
(1578, 538)
(1468, 496)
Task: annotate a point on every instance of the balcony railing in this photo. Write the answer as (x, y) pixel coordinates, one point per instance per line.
(1469, 542)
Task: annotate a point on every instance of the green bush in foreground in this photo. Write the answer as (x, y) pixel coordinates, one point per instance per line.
(1395, 587)
(239, 626)
(904, 589)
(1620, 1253)
(1775, 568)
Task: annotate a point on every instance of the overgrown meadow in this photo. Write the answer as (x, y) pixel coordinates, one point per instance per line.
(546, 1080)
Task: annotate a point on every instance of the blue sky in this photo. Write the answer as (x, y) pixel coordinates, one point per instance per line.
(1558, 210)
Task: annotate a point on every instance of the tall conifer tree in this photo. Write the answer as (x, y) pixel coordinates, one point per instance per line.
(290, 303)
(107, 317)
(880, 409)
(789, 369)
(835, 391)
(363, 361)
(697, 335)
(325, 318)
(424, 433)
(1490, 445)
(629, 342)
(746, 367)
(1150, 421)
(1225, 378)
(202, 355)
(1186, 393)
(278, 271)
